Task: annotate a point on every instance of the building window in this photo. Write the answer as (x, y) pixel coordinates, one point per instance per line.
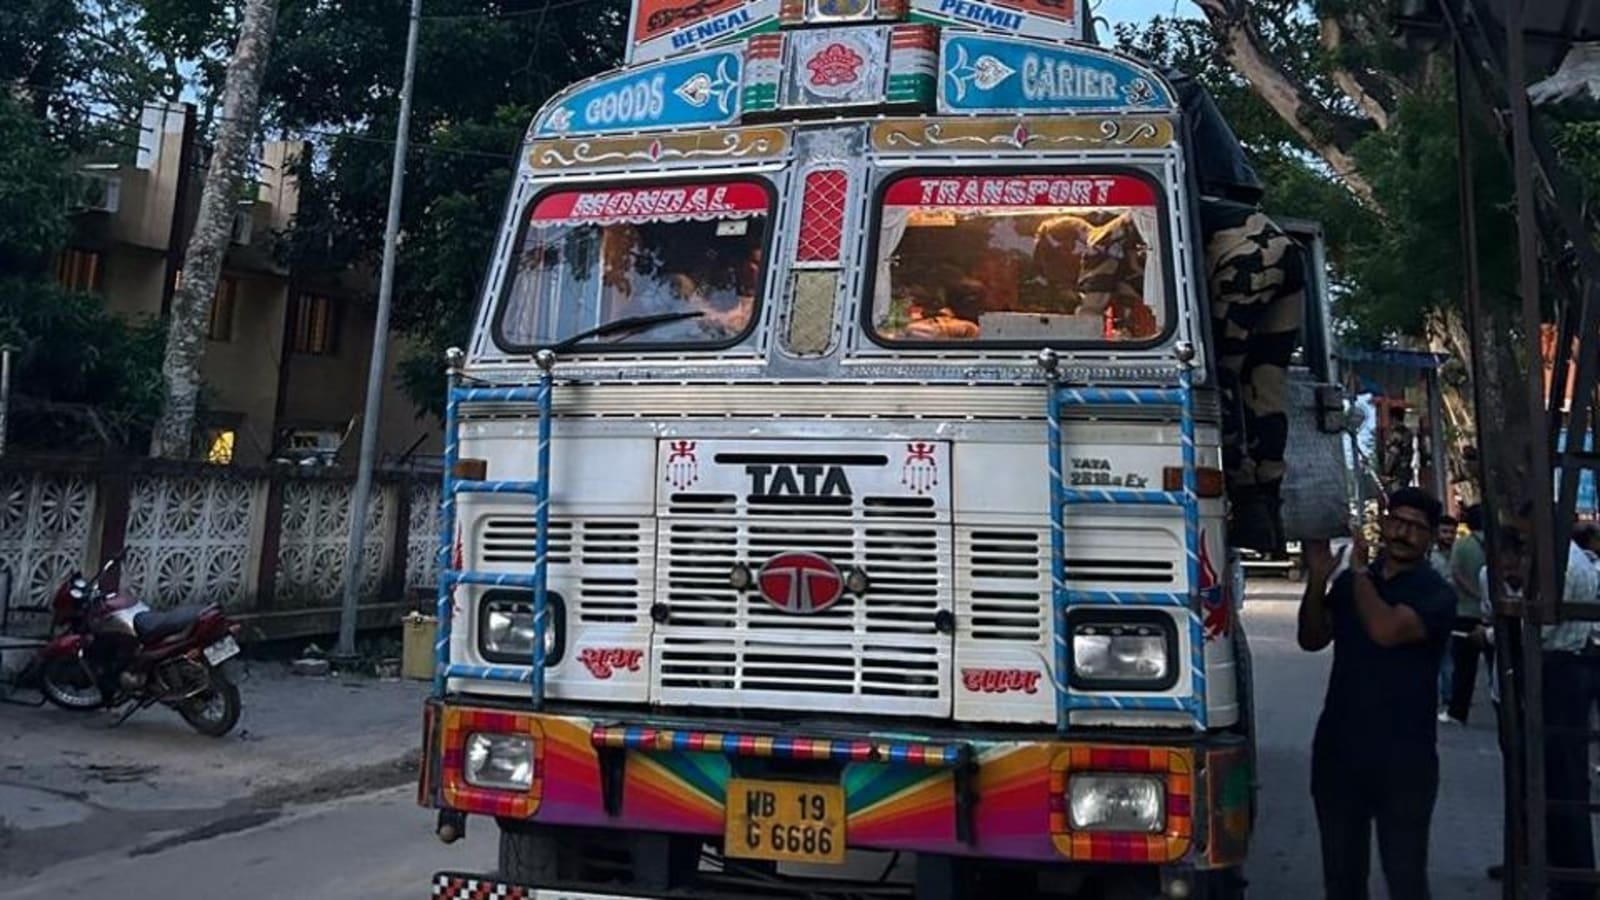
(219, 446)
(79, 270)
(221, 325)
(311, 325)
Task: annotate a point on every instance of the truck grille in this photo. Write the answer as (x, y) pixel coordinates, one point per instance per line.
(603, 563)
(723, 647)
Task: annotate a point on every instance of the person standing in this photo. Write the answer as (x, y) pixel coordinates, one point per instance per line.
(1374, 757)
(1568, 682)
(1467, 561)
(1439, 558)
(1399, 452)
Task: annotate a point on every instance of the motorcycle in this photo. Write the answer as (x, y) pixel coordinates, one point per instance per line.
(109, 649)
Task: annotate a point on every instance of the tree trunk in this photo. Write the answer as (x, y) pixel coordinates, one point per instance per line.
(1327, 133)
(1447, 334)
(202, 261)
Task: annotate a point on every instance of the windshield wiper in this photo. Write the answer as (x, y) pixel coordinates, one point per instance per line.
(628, 323)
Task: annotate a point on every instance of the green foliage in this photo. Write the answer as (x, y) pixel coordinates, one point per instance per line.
(1412, 262)
(33, 191)
(1391, 268)
(83, 377)
(483, 69)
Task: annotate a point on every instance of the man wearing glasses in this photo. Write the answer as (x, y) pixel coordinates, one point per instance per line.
(1374, 757)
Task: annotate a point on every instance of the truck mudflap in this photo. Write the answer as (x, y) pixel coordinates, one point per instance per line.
(997, 797)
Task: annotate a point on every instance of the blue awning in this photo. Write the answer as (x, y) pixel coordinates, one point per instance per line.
(1420, 360)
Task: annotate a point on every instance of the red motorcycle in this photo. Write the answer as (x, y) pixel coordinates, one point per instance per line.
(109, 649)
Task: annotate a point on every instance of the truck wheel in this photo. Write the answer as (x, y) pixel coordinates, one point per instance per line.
(528, 854)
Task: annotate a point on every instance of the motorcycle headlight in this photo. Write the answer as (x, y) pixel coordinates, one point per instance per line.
(499, 761)
(1110, 802)
(1128, 650)
(505, 627)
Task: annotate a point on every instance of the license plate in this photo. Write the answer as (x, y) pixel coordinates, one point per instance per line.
(222, 651)
(784, 821)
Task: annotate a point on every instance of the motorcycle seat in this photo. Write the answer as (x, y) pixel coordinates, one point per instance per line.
(151, 625)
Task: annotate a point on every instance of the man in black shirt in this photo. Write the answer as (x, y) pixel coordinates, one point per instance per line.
(1374, 758)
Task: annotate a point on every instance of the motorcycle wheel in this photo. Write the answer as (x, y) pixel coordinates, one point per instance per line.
(215, 712)
(67, 682)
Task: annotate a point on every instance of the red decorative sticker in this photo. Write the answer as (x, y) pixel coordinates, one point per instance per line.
(1214, 600)
(683, 465)
(920, 471)
(835, 65)
(602, 662)
(652, 204)
(1021, 190)
(800, 582)
(1000, 681)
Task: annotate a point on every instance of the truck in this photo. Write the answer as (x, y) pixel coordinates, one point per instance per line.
(833, 501)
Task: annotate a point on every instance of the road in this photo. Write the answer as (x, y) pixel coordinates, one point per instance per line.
(379, 845)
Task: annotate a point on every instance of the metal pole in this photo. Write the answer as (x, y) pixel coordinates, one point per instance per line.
(5, 393)
(1514, 831)
(1550, 560)
(380, 345)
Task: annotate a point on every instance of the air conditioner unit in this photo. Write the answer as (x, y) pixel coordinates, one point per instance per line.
(244, 222)
(99, 193)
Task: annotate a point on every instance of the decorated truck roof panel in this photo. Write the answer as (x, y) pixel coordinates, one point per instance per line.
(901, 68)
(659, 28)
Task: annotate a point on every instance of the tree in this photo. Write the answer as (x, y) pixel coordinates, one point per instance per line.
(83, 379)
(483, 69)
(202, 261)
(1348, 126)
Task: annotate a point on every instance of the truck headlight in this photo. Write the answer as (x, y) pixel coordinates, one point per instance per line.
(1123, 649)
(501, 762)
(1101, 801)
(505, 627)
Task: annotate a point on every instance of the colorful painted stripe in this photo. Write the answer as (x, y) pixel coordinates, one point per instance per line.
(626, 737)
(914, 37)
(910, 88)
(763, 62)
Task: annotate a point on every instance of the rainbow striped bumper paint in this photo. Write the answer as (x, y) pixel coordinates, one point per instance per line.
(991, 798)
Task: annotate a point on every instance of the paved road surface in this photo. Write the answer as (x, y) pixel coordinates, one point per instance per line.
(379, 846)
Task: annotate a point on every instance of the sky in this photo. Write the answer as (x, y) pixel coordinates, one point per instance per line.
(1139, 11)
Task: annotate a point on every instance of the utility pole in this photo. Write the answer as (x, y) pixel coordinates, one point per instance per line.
(346, 648)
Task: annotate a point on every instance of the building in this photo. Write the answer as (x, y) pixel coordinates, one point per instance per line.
(286, 361)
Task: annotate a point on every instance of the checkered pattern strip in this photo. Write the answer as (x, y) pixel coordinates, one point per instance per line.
(460, 887)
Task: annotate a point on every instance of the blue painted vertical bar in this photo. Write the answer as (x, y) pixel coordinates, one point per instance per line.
(1058, 560)
(1191, 528)
(447, 526)
(541, 519)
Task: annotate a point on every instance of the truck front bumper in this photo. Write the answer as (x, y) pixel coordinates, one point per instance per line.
(1001, 797)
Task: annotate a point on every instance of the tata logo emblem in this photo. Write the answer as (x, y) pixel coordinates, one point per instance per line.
(797, 481)
(800, 583)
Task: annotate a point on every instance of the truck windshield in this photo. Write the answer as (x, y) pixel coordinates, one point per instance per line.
(590, 257)
(1019, 258)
